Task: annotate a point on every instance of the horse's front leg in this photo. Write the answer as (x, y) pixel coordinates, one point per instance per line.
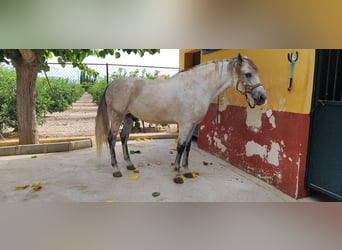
(180, 149)
(185, 162)
(184, 143)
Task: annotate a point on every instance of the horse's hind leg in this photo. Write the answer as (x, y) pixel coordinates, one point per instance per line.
(128, 125)
(111, 142)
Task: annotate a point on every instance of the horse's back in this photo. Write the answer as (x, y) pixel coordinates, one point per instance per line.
(123, 92)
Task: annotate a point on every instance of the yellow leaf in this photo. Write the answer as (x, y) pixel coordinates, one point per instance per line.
(109, 200)
(21, 187)
(133, 177)
(135, 171)
(172, 169)
(138, 139)
(36, 186)
(158, 162)
(183, 177)
(176, 140)
(146, 139)
(195, 173)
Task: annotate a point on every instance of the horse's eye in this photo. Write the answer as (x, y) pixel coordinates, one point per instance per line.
(248, 75)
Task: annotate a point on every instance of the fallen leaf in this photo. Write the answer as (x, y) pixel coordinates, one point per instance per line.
(109, 200)
(135, 152)
(36, 186)
(158, 162)
(21, 187)
(155, 194)
(138, 139)
(133, 177)
(135, 171)
(172, 169)
(34, 156)
(205, 163)
(195, 173)
(146, 139)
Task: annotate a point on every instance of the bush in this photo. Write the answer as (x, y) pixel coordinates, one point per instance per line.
(55, 98)
(86, 85)
(8, 115)
(97, 90)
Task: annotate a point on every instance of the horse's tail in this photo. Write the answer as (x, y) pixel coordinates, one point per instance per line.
(101, 125)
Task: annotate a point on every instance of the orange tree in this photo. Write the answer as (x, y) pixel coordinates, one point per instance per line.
(29, 62)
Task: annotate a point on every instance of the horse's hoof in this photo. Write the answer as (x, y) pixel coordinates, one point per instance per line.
(117, 174)
(131, 167)
(178, 180)
(189, 175)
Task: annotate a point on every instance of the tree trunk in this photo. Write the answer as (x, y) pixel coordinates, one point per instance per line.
(27, 70)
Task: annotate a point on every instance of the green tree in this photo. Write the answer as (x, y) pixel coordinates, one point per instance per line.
(29, 62)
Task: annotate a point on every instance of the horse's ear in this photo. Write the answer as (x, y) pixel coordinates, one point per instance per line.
(239, 57)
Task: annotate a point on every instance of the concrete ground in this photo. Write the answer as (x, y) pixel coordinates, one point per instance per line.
(78, 176)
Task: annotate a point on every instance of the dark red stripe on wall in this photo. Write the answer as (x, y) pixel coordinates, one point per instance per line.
(274, 150)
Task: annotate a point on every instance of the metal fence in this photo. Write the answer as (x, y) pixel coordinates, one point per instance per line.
(105, 70)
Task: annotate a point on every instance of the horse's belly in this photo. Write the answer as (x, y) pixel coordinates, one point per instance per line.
(154, 115)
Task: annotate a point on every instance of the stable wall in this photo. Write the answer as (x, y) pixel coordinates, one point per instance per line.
(269, 141)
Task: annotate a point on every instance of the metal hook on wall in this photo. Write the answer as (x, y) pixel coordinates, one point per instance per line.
(293, 58)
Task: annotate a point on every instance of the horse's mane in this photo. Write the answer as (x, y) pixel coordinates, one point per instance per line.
(233, 63)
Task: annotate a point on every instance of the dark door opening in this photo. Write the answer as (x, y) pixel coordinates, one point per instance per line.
(324, 169)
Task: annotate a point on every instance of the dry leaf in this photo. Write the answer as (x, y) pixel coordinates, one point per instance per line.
(21, 187)
(146, 139)
(36, 186)
(138, 139)
(158, 162)
(133, 177)
(135, 171)
(195, 173)
(109, 200)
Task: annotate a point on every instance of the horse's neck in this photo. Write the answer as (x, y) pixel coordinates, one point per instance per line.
(217, 77)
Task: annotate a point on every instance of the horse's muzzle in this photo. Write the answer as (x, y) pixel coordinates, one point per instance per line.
(260, 98)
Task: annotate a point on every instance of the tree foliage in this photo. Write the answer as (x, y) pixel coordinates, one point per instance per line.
(75, 56)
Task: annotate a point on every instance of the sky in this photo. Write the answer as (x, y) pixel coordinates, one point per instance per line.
(166, 58)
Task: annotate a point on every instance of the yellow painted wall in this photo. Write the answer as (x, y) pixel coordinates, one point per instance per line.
(274, 71)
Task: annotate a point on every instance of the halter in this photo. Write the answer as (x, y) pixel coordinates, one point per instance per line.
(248, 89)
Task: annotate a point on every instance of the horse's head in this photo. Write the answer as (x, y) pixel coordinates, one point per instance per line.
(248, 82)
